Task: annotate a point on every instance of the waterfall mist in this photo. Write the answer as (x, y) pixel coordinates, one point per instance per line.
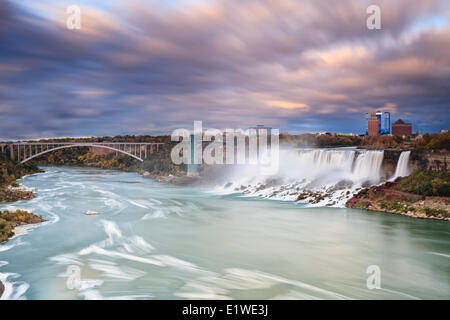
(321, 176)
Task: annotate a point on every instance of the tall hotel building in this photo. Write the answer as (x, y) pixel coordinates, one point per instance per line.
(373, 125)
(384, 122)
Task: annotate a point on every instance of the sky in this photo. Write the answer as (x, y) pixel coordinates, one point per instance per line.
(148, 67)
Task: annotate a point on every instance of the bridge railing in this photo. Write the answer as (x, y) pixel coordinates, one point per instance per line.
(25, 151)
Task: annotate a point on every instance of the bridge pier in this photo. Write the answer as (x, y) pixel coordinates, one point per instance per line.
(11, 152)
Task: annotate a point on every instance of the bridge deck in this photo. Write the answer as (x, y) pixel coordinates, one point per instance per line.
(26, 151)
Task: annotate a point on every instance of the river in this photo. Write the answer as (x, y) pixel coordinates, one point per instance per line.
(158, 241)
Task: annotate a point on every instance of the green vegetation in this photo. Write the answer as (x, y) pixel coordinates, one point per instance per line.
(436, 212)
(323, 141)
(426, 183)
(396, 206)
(334, 141)
(6, 230)
(436, 141)
(11, 170)
(10, 220)
(161, 162)
(424, 194)
(440, 141)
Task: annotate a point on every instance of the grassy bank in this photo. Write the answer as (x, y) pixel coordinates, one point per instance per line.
(423, 194)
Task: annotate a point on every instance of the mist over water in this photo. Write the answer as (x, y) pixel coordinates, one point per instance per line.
(157, 241)
(334, 173)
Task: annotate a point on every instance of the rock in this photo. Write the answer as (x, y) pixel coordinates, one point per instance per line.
(343, 184)
(229, 184)
(2, 289)
(261, 187)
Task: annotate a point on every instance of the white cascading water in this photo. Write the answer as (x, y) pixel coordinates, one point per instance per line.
(333, 173)
(402, 169)
(368, 165)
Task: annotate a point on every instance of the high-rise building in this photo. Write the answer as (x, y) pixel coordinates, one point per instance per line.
(367, 122)
(379, 114)
(373, 125)
(384, 122)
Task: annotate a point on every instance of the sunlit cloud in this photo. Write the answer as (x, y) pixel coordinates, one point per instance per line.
(149, 66)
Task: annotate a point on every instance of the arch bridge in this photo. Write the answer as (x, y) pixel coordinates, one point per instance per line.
(25, 151)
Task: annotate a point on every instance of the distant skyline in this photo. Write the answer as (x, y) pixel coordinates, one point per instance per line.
(148, 67)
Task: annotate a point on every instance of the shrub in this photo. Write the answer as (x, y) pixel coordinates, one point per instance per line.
(426, 183)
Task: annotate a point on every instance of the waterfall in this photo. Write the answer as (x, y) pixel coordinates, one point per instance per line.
(402, 169)
(334, 173)
(368, 166)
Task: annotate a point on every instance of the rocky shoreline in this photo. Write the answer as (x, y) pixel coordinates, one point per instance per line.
(386, 198)
(11, 194)
(9, 222)
(175, 179)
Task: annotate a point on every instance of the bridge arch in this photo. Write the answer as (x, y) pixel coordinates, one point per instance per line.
(78, 145)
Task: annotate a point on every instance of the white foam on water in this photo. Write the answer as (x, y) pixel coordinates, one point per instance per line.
(174, 262)
(14, 290)
(112, 231)
(138, 204)
(439, 254)
(218, 286)
(6, 247)
(332, 175)
(118, 273)
(137, 243)
(66, 258)
(91, 295)
(93, 249)
(400, 294)
(154, 215)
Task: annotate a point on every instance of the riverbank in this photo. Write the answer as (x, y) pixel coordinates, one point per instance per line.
(10, 171)
(11, 220)
(14, 193)
(422, 195)
(12, 223)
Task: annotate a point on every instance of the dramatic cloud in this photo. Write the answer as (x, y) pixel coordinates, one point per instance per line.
(140, 67)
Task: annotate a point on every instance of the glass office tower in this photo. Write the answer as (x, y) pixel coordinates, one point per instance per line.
(385, 123)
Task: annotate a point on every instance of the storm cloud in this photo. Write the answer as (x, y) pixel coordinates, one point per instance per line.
(140, 67)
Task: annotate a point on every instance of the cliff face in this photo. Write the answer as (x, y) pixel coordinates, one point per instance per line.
(418, 160)
(436, 161)
(390, 160)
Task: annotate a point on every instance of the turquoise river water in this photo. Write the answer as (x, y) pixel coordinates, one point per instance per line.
(153, 240)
